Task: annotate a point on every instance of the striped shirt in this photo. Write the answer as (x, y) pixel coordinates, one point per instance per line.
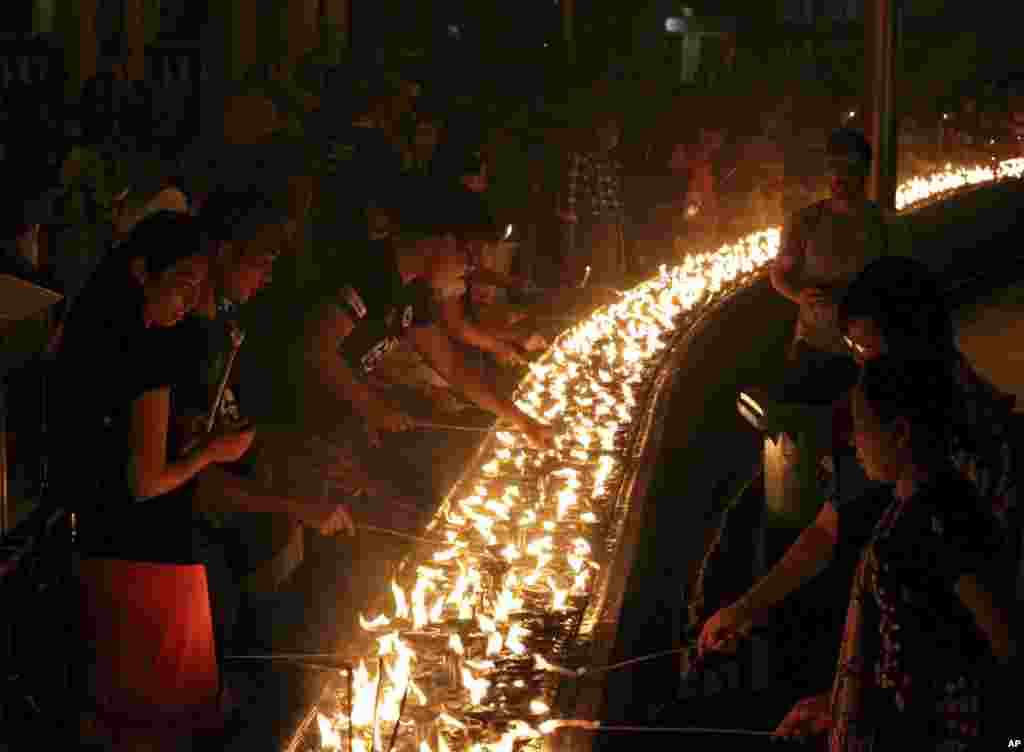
(593, 185)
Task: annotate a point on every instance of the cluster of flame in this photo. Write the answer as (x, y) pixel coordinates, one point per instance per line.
(534, 514)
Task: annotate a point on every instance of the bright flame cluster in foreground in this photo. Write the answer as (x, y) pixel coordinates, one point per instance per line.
(534, 511)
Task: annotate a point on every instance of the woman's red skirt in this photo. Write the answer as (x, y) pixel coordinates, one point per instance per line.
(153, 666)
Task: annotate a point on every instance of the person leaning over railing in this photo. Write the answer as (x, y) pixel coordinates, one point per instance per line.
(895, 305)
(247, 531)
(824, 246)
(145, 620)
(924, 630)
(349, 322)
(510, 345)
(591, 208)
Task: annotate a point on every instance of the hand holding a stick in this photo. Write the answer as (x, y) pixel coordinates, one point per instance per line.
(230, 446)
(723, 632)
(539, 435)
(381, 416)
(812, 716)
(327, 518)
(534, 343)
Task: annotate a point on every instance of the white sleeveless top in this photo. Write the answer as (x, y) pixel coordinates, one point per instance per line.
(829, 250)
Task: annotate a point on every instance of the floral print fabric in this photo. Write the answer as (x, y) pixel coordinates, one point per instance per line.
(911, 660)
(982, 449)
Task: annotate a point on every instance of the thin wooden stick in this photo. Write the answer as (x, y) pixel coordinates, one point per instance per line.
(598, 726)
(401, 712)
(631, 661)
(684, 730)
(431, 424)
(397, 534)
(376, 701)
(288, 657)
(559, 319)
(595, 670)
(350, 700)
(237, 338)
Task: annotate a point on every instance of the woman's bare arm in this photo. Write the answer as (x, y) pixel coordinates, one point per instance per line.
(453, 314)
(808, 556)
(329, 329)
(149, 472)
(990, 618)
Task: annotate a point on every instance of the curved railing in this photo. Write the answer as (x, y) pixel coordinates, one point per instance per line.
(529, 572)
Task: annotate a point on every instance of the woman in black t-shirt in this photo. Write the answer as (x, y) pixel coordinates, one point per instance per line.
(146, 619)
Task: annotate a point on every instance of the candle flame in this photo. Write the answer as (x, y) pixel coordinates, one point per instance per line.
(401, 604)
(533, 512)
(380, 621)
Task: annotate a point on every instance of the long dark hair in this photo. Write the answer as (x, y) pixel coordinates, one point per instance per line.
(240, 214)
(920, 390)
(161, 240)
(906, 302)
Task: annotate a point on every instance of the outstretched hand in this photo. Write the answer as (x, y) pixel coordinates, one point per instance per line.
(812, 716)
(722, 632)
(329, 519)
(814, 296)
(229, 447)
(381, 417)
(534, 343)
(539, 435)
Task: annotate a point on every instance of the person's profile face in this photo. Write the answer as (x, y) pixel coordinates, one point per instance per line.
(711, 139)
(250, 263)
(478, 181)
(175, 292)
(473, 250)
(451, 262)
(484, 295)
(428, 133)
(877, 446)
(847, 177)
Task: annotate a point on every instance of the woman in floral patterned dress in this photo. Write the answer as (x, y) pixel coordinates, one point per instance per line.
(923, 631)
(895, 306)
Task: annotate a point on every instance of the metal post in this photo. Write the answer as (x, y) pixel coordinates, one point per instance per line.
(337, 14)
(882, 21)
(77, 22)
(303, 19)
(569, 29)
(134, 15)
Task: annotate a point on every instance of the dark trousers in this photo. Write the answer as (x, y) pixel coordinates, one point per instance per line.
(212, 549)
(597, 242)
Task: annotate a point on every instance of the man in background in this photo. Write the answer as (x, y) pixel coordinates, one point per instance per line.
(591, 210)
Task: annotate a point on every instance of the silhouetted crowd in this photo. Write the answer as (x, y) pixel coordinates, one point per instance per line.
(402, 232)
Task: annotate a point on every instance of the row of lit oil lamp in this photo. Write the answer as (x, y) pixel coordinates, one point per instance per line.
(542, 519)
